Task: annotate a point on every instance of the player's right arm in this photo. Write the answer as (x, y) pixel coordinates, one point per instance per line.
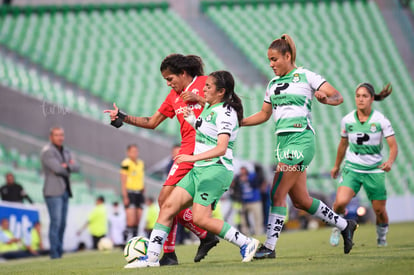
(258, 118)
(343, 144)
(143, 122)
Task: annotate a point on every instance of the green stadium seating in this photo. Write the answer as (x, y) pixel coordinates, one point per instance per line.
(115, 54)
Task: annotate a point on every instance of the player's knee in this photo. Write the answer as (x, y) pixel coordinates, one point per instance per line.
(168, 207)
(379, 211)
(199, 220)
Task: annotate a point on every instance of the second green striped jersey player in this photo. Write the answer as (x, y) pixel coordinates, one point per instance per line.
(362, 134)
(365, 141)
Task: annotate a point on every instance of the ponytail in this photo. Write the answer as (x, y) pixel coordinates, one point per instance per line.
(285, 44)
(386, 91)
(224, 80)
(235, 102)
(178, 63)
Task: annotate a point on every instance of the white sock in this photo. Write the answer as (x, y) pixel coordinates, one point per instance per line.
(158, 236)
(382, 230)
(274, 228)
(327, 215)
(236, 237)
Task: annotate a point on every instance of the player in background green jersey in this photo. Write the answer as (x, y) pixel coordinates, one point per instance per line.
(362, 133)
(289, 98)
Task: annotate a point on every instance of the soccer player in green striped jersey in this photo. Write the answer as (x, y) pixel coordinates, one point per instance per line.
(362, 133)
(289, 98)
(216, 131)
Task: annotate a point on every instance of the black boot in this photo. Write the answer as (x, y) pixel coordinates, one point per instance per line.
(169, 259)
(206, 244)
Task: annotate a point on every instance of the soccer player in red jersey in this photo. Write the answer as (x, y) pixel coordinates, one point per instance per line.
(184, 74)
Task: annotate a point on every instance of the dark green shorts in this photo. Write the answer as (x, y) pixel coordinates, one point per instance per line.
(295, 148)
(373, 183)
(206, 184)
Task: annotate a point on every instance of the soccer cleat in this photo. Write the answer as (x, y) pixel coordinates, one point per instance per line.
(142, 262)
(206, 244)
(348, 234)
(381, 243)
(265, 253)
(249, 249)
(334, 240)
(169, 259)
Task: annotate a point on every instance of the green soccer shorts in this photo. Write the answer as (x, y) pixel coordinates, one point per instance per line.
(295, 149)
(373, 183)
(206, 184)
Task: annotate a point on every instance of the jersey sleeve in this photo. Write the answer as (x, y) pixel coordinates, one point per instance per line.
(315, 80)
(226, 121)
(344, 133)
(124, 167)
(167, 108)
(386, 128)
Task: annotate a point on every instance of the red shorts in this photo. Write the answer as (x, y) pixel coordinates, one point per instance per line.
(177, 172)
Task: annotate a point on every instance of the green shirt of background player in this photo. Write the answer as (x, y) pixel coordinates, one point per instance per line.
(362, 132)
(289, 98)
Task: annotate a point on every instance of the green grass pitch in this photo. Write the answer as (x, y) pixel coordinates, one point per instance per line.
(302, 252)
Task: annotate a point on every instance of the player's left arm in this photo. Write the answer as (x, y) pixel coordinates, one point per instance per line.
(327, 94)
(392, 143)
(219, 150)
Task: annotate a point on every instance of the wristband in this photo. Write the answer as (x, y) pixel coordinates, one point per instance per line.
(119, 121)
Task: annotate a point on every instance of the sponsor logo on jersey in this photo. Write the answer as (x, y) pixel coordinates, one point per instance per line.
(296, 78)
(190, 106)
(210, 116)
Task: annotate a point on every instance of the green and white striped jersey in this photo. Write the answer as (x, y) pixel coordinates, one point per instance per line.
(213, 121)
(291, 98)
(365, 141)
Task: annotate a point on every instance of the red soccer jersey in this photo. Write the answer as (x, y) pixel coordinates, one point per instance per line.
(173, 105)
